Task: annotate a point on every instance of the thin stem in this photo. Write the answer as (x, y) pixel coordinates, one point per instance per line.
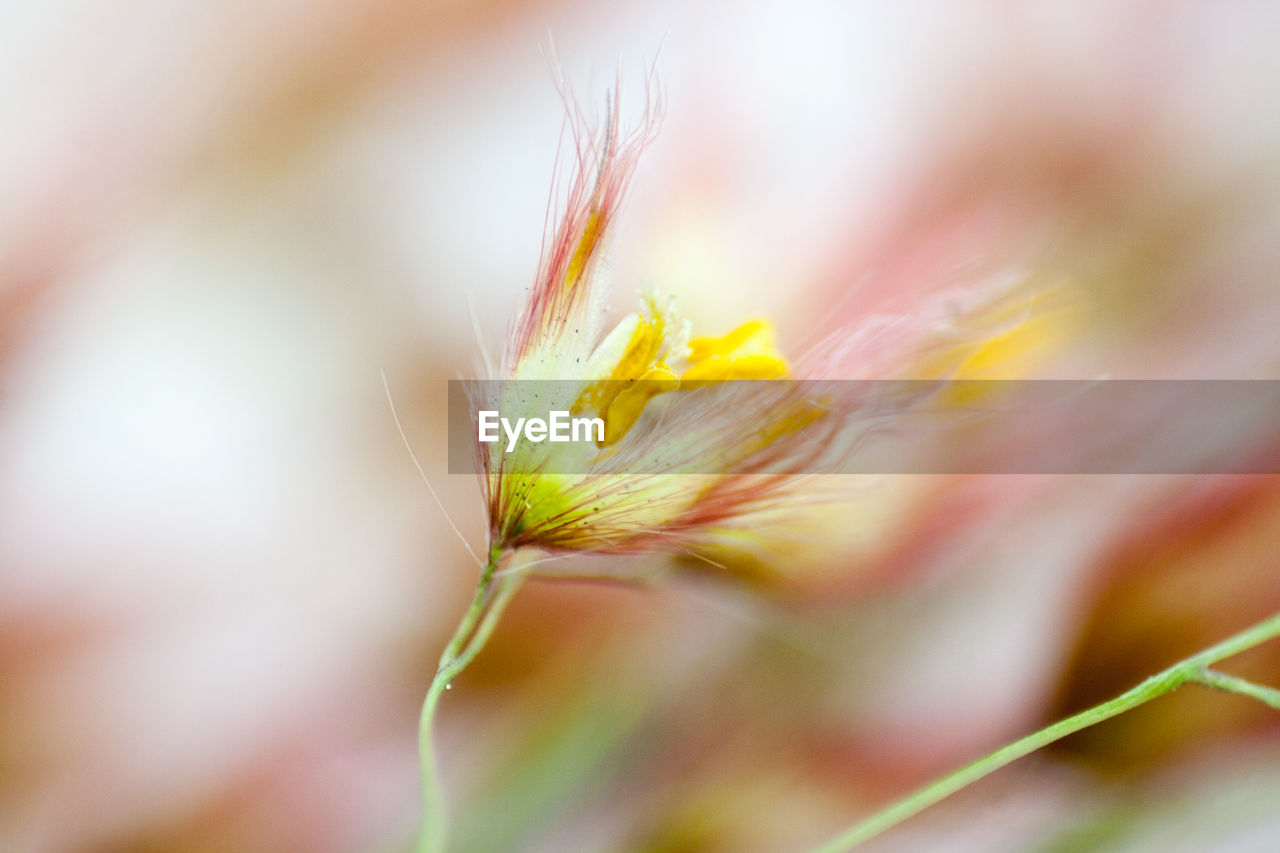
(469, 619)
(1193, 668)
(473, 632)
(1232, 684)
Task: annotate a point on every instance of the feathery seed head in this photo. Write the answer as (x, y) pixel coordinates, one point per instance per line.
(669, 403)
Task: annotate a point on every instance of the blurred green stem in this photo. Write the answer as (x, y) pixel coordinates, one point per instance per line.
(1194, 669)
(491, 597)
(1232, 684)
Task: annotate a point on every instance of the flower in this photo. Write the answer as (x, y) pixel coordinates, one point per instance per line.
(694, 447)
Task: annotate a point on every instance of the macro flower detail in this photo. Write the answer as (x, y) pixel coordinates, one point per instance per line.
(628, 496)
(698, 445)
(655, 347)
(673, 405)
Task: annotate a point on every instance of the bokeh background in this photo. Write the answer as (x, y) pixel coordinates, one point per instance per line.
(223, 586)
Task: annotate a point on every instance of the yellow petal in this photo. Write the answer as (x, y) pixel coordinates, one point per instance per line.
(1015, 351)
(1019, 338)
(723, 368)
(748, 352)
(755, 337)
(629, 403)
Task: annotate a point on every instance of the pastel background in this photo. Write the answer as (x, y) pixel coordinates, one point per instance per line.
(223, 586)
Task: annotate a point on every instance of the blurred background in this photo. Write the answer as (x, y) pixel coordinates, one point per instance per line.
(223, 586)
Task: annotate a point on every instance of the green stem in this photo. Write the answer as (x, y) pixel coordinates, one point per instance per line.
(1192, 669)
(1232, 684)
(473, 632)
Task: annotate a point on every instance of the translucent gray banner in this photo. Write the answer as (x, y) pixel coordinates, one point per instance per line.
(866, 427)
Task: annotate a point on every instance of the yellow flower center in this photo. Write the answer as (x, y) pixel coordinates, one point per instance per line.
(748, 352)
(642, 371)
